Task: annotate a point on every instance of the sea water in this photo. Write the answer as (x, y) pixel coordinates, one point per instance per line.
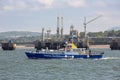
(14, 65)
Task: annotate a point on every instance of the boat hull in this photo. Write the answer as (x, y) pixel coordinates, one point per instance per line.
(37, 55)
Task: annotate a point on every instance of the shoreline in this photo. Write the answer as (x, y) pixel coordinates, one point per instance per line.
(24, 47)
(99, 46)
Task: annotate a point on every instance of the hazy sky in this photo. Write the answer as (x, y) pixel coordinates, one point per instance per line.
(32, 15)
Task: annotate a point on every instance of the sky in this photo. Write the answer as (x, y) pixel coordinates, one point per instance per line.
(33, 15)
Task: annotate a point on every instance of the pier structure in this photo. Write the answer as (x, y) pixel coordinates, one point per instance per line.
(59, 41)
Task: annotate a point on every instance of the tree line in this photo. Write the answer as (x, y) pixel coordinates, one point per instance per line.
(111, 33)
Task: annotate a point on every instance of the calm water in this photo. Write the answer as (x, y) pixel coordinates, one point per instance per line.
(14, 65)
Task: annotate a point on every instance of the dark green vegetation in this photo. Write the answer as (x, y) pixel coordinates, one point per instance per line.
(111, 33)
(19, 36)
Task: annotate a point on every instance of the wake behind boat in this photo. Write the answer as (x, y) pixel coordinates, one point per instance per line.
(66, 53)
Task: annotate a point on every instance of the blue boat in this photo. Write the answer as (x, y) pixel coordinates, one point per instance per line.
(62, 55)
(70, 51)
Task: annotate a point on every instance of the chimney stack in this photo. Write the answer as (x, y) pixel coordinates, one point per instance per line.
(58, 25)
(61, 27)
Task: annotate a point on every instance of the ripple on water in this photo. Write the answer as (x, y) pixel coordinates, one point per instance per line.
(14, 65)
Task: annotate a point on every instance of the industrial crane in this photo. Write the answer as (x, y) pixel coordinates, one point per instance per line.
(85, 23)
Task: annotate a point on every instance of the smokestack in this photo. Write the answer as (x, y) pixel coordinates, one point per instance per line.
(61, 27)
(58, 27)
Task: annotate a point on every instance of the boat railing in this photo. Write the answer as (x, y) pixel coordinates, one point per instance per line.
(48, 51)
(78, 50)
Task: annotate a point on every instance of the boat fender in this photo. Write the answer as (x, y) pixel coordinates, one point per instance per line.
(88, 56)
(80, 52)
(66, 56)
